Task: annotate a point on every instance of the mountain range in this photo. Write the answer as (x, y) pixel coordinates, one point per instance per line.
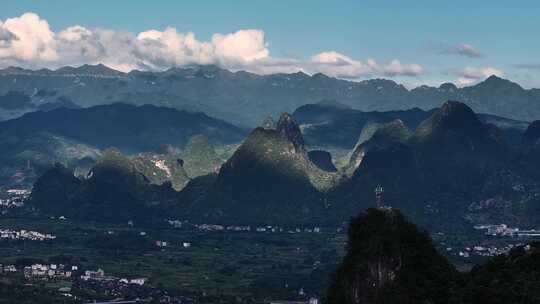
(77, 136)
(243, 98)
(330, 124)
(452, 166)
(459, 164)
(452, 171)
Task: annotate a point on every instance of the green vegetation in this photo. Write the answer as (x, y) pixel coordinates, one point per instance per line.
(512, 278)
(32, 143)
(249, 266)
(389, 260)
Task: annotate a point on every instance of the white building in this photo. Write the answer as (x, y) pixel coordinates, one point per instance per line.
(138, 281)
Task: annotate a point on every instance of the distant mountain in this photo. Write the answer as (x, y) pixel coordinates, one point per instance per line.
(145, 185)
(14, 104)
(62, 103)
(26, 157)
(457, 151)
(331, 126)
(529, 158)
(75, 137)
(326, 125)
(453, 166)
(88, 70)
(451, 172)
(113, 191)
(13, 100)
(455, 129)
(269, 179)
(127, 127)
(201, 158)
(246, 99)
(55, 189)
(98, 70)
(162, 168)
(531, 137)
(385, 135)
(179, 166)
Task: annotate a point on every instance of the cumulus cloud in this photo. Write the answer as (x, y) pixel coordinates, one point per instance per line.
(460, 49)
(27, 38)
(470, 75)
(339, 65)
(395, 68)
(28, 41)
(245, 45)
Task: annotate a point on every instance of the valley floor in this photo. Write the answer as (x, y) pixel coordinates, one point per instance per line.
(207, 266)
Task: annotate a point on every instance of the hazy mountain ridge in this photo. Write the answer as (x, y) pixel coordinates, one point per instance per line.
(331, 125)
(31, 143)
(245, 98)
(127, 127)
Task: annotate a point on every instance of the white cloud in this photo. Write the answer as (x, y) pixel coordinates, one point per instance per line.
(335, 64)
(28, 41)
(242, 45)
(169, 48)
(339, 65)
(460, 49)
(395, 68)
(467, 50)
(471, 75)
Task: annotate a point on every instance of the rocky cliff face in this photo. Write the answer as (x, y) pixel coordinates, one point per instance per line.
(268, 123)
(389, 260)
(162, 168)
(289, 129)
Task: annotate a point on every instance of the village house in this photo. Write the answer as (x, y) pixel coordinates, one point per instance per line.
(52, 271)
(93, 275)
(161, 244)
(138, 281)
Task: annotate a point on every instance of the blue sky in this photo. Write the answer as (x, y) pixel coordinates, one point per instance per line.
(459, 41)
